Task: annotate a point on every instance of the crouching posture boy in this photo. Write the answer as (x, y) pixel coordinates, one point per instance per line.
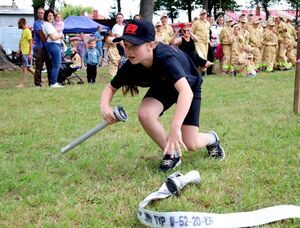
(172, 78)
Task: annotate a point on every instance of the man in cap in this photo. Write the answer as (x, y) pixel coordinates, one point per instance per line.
(226, 38)
(270, 43)
(256, 39)
(166, 29)
(201, 28)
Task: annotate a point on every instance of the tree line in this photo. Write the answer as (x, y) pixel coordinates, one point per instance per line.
(172, 7)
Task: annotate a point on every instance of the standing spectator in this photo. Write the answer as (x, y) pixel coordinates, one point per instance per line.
(53, 46)
(226, 38)
(216, 31)
(186, 43)
(166, 29)
(25, 47)
(201, 28)
(81, 47)
(212, 45)
(91, 61)
(39, 49)
(270, 42)
(99, 43)
(117, 31)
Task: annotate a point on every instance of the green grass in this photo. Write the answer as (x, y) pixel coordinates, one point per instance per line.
(101, 182)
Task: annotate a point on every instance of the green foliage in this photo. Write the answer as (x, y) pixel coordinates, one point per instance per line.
(38, 3)
(172, 6)
(113, 12)
(101, 182)
(69, 10)
(264, 3)
(227, 5)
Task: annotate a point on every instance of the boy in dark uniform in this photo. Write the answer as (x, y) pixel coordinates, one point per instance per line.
(173, 79)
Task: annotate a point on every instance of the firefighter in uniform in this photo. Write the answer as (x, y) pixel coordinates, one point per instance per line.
(270, 43)
(201, 28)
(226, 37)
(237, 48)
(244, 26)
(283, 42)
(256, 38)
(167, 30)
(291, 48)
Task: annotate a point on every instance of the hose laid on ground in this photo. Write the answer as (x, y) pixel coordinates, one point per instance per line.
(177, 181)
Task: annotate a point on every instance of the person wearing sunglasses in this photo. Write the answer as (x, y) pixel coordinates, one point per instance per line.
(186, 42)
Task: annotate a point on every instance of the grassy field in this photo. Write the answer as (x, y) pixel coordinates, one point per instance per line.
(101, 182)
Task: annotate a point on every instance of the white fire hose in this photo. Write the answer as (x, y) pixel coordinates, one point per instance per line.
(177, 181)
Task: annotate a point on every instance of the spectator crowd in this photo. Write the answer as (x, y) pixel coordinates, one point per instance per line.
(245, 47)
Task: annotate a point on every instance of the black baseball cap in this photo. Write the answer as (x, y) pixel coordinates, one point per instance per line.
(138, 32)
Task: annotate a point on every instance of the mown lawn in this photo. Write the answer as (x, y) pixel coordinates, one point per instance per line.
(101, 182)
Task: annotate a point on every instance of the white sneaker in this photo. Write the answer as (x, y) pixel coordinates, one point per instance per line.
(56, 85)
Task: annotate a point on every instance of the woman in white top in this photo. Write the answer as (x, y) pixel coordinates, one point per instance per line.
(117, 31)
(53, 46)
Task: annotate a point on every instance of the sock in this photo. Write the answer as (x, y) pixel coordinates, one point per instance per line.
(176, 155)
(211, 137)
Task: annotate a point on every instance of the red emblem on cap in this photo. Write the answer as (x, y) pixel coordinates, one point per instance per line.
(131, 29)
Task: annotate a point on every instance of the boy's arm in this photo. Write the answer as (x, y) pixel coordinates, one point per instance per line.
(105, 99)
(184, 100)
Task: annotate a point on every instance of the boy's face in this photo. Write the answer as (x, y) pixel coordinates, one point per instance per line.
(138, 53)
(92, 44)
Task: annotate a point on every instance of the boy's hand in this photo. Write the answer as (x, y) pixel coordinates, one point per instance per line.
(174, 142)
(108, 115)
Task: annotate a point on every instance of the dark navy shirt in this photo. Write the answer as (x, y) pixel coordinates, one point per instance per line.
(169, 65)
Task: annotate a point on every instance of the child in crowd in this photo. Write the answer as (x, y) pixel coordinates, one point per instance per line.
(91, 61)
(173, 79)
(112, 55)
(75, 59)
(59, 24)
(81, 47)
